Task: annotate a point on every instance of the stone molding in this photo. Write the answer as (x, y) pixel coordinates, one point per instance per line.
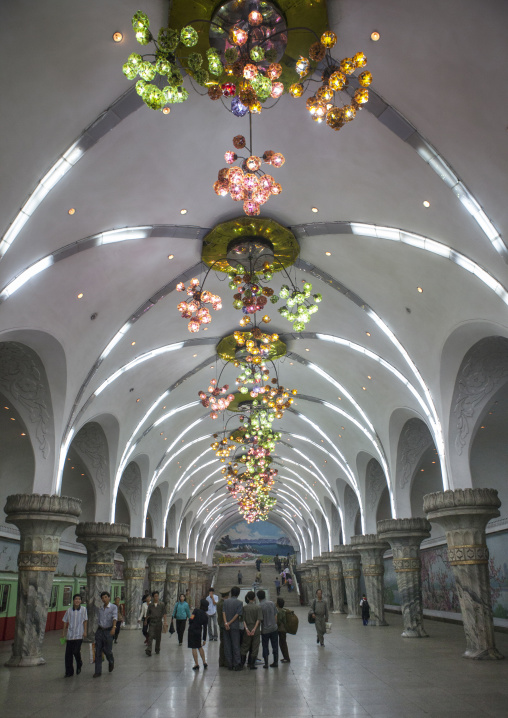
(27, 504)
(462, 498)
(401, 526)
(101, 530)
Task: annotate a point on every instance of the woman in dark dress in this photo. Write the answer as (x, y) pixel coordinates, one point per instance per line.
(198, 624)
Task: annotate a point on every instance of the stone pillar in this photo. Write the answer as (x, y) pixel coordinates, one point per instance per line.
(324, 579)
(184, 577)
(41, 520)
(304, 584)
(464, 514)
(135, 553)
(351, 570)
(172, 582)
(157, 565)
(405, 537)
(314, 579)
(372, 551)
(101, 541)
(193, 580)
(336, 582)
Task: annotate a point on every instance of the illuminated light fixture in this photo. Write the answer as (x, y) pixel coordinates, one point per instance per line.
(374, 36)
(132, 344)
(13, 419)
(183, 211)
(420, 290)
(307, 350)
(315, 209)
(328, 254)
(367, 333)
(166, 111)
(137, 401)
(72, 211)
(171, 256)
(194, 355)
(117, 37)
(80, 295)
(369, 377)
(364, 388)
(23, 434)
(426, 203)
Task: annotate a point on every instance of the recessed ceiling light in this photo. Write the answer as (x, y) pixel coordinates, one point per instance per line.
(307, 350)
(166, 110)
(422, 469)
(117, 37)
(374, 36)
(137, 401)
(132, 344)
(23, 433)
(315, 209)
(212, 367)
(162, 433)
(171, 256)
(6, 407)
(342, 428)
(13, 419)
(194, 355)
(364, 388)
(420, 289)
(426, 203)
(328, 254)
(80, 295)
(72, 211)
(163, 407)
(183, 211)
(340, 436)
(367, 333)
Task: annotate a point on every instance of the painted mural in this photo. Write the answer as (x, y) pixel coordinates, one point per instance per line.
(244, 543)
(438, 584)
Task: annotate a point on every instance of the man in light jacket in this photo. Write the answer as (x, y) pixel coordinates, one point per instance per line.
(269, 633)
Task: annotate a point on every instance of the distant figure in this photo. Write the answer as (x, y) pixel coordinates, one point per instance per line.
(156, 617)
(240, 577)
(282, 630)
(365, 610)
(252, 619)
(319, 611)
(258, 577)
(290, 583)
(212, 600)
(258, 564)
(75, 623)
(224, 593)
(121, 617)
(198, 624)
(269, 633)
(276, 561)
(232, 609)
(142, 615)
(277, 585)
(181, 613)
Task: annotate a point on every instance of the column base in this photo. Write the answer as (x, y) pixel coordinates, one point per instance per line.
(377, 622)
(489, 654)
(414, 633)
(24, 661)
(129, 627)
(349, 616)
(342, 612)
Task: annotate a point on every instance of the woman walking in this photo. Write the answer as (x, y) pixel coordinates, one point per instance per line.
(320, 614)
(198, 624)
(181, 613)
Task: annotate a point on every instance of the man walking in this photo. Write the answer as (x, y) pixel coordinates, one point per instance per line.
(142, 616)
(121, 616)
(75, 622)
(156, 617)
(282, 630)
(108, 616)
(258, 564)
(269, 632)
(240, 577)
(224, 593)
(212, 601)
(277, 585)
(252, 618)
(232, 613)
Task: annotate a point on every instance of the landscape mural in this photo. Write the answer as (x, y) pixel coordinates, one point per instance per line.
(244, 543)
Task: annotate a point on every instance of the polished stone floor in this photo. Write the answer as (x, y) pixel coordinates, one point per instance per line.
(361, 672)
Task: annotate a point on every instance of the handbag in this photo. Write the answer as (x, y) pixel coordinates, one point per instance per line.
(171, 627)
(328, 627)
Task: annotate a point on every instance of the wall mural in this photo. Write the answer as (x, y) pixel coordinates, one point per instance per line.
(438, 583)
(244, 543)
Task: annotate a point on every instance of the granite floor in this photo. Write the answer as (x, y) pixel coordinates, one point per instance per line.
(361, 672)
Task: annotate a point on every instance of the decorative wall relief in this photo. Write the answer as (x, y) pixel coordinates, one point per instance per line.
(415, 438)
(130, 484)
(91, 442)
(483, 371)
(375, 483)
(22, 379)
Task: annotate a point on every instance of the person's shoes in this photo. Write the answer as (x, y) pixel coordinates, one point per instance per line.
(253, 667)
(230, 668)
(111, 666)
(322, 644)
(205, 666)
(97, 675)
(78, 670)
(317, 640)
(116, 641)
(180, 643)
(68, 675)
(238, 668)
(195, 668)
(274, 664)
(286, 660)
(265, 665)
(148, 652)
(157, 651)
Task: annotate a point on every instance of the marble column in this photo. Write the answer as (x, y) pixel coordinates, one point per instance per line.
(351, 571)
(314, 579)
(135, 553)
(304, 584)
(324, 579)
(372, 551)
(101, 541)
(184, 577)
(172, 582)
(464, 514)
(41, 520)
(157, 565)
(405, 537)
(336, 581)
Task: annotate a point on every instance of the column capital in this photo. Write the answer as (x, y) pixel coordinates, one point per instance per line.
(99, 536)
(413, 529)
(55, 513)
(137, 548)
(463, 513)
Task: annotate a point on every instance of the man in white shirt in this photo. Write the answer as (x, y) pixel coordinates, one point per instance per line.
(75, 622)
(212, 600)
(142, 617)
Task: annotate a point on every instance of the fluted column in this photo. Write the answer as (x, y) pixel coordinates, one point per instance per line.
(464, 514)
(336, 581)
(157, 565)
(172, 582)
(324, 579)
(372, 551)
(101, 541)
(405, 537)
(135, 553)
(351, 571)
(41, 520)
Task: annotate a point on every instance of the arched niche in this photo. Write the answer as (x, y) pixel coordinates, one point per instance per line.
(123, 515)
(25, 385)
(351, 510)
(384, 507)
(483, 373)
(414, 440)
(172, 522)
(17, 462)
(375, 486)
(148, 526)
(489, 447)
(426, 479)
(91, 446)
(334, 519)
(76, 482)
(155, 511)
(130, 493)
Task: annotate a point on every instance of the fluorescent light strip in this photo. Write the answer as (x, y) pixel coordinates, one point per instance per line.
(343, 464)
